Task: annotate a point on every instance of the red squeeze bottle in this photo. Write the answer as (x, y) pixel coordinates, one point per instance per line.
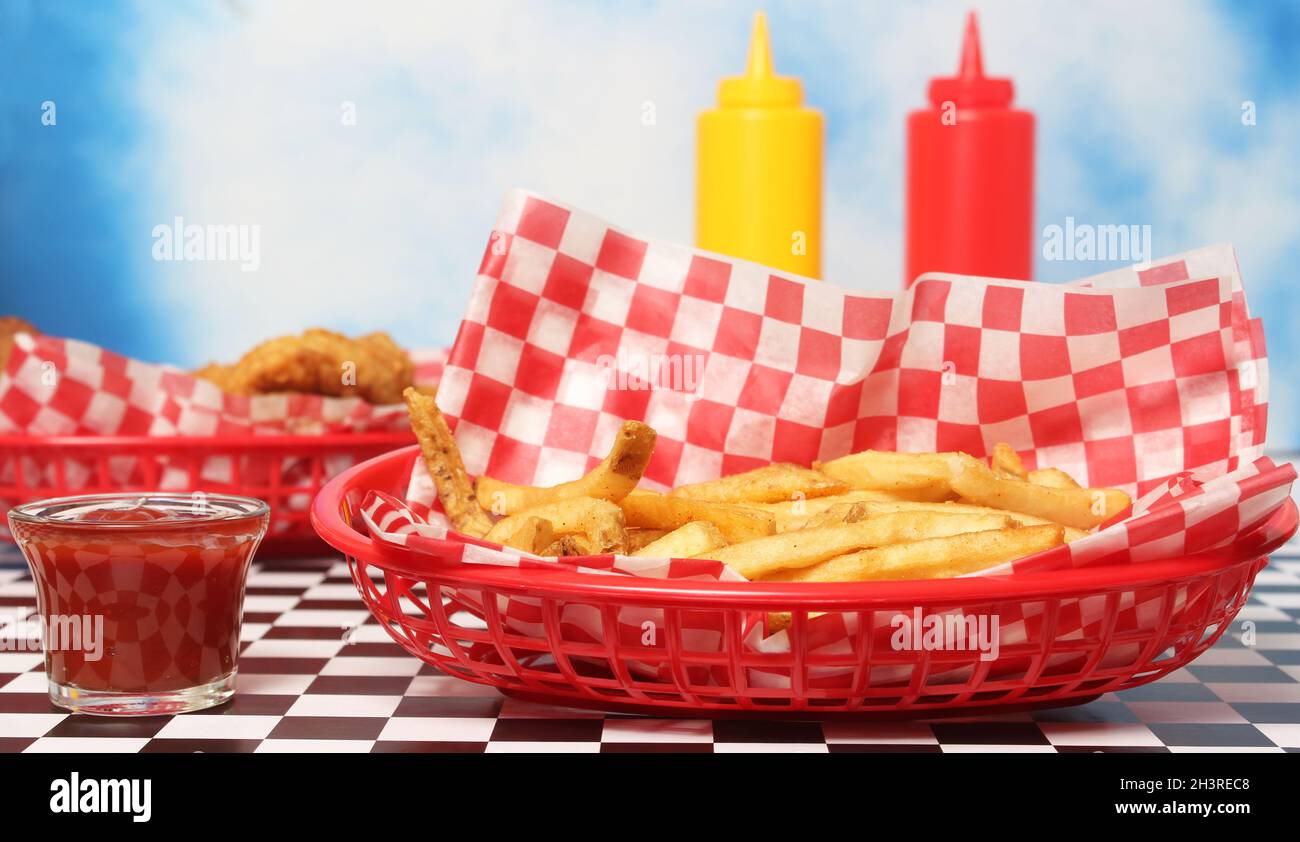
(970, 176)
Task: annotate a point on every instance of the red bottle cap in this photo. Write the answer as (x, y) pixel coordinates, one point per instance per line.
(971, 88)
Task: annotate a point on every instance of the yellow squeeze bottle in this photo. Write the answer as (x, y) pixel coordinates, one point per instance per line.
(758, 169)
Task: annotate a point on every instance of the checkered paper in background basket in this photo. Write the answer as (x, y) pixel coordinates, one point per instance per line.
(1151, 379)
(63, 387)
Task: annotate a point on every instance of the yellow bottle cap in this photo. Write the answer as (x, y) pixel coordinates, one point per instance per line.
(760, 86)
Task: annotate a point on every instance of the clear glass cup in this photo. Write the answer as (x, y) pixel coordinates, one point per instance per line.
(140, 596)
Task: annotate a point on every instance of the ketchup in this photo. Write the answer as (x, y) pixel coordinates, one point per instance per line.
(167, 581)
(134, 514)
(970, 176)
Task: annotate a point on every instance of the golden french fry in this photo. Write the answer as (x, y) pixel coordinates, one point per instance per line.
(867, 515)
(1083, 508)
(611, 480)
(931, 558)
(782, 620)
(935, 491)
(763, 556)
(638, 538)
(835, 515)
(1006, 461)
(531, 534)
(1052, 478)
(878, 470)
(796, 514)
(768, 484)
(884, 507)
(650, 510)
(693, 539)
(442, 458)
(575, 545)
(840, 514)
(584, 524)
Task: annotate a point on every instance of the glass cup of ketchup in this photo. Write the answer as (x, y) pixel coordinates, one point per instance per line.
(140, 596)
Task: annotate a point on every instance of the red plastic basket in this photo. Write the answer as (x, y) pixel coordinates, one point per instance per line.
(415, 598)
(285, 471)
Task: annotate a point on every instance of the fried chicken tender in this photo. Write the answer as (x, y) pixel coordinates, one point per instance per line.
(9, 325)
(319, 362)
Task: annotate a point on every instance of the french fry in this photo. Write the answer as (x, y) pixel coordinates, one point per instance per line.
(575, 545)
(836, 515)
(693, 539)
(584, 524)
(442, 458)
(936, 491)
(931, 558)
(638, 538)
(611, 480)
(768, 484)
(1083, 508)
(1052, 478)
(883, 507)
(651, 510)
(782, 620)
(531, 534)
(796, 514)
(877, 470)
(849, 512)
(1006, 462)
(764, 556)
(871, 514)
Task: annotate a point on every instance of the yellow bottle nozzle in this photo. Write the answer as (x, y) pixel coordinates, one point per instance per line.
(760, 86)
(760, 49)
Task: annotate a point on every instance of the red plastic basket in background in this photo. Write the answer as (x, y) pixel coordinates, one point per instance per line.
(415, 599)
(285, 471)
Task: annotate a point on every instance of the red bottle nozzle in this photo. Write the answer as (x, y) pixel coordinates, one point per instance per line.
(970, 88)
(972, 64)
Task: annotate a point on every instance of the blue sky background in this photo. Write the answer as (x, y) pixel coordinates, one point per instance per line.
(229, 112)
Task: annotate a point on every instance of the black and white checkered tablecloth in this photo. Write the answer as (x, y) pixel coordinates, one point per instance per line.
(302, 687)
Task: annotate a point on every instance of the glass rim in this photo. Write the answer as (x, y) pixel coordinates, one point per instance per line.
(255, 508)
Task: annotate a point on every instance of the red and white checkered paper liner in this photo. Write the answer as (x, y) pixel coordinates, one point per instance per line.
(64, 387)
(1124, 379)
(1153, 379)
